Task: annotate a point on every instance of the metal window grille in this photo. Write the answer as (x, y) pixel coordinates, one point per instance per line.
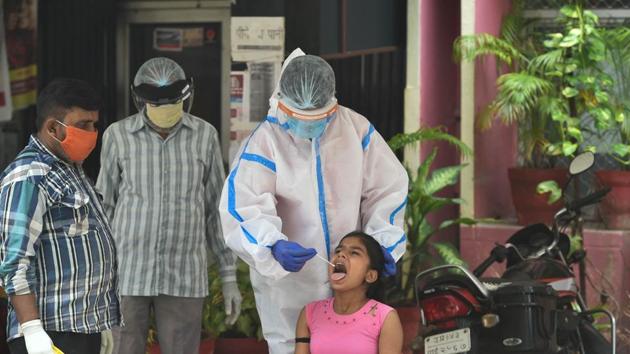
(594, 4)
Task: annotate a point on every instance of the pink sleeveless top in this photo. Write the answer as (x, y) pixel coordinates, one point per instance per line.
(345, 334)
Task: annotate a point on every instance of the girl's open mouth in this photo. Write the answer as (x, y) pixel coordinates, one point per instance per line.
(339, 272)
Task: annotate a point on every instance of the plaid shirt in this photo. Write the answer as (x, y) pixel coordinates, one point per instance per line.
(162, 197)
(57, 244)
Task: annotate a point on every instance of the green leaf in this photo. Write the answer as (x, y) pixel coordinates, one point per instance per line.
(575, 133)
(554, 40)
(601, 114)
(622, 150)
(575, 244)
(428, 134)
(590, 17)
(568, 148)
(423, 169)
(588, 29)
(570, 68)
(620, 117)
(601, 96)
(569, 41)
(570, 92)
(553, 149)
(546, 61)
(470, 47)
(559, 116)
(424, 233)
(449, 254)
(460, 221)
(551, 187)
(570, 11)
(441, 178)
(597, 49)
(518, 95)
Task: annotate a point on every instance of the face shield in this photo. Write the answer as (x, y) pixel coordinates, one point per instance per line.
(310, 115)
(160, 82)
(306, 95)
(178, 91)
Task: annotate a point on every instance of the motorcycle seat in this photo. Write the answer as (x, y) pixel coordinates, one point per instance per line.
(454, 280)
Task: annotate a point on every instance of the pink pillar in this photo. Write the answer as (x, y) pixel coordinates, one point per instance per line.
(439, 85)
(495, 148)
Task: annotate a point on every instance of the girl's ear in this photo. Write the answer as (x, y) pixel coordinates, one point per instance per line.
(371, 276)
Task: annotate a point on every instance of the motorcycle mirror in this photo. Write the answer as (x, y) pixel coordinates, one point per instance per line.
(581, 163)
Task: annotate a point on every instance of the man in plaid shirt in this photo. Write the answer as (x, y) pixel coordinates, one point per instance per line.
(57, 254)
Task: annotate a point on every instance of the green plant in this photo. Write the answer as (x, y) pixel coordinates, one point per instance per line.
(547, 84)
(551, 187)
(423, 200)
(248, 323)
(617, 62)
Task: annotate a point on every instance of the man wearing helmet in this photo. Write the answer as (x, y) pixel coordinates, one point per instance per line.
(161, 177)
(311, 173)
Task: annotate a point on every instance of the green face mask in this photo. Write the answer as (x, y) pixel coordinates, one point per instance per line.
(165, 116)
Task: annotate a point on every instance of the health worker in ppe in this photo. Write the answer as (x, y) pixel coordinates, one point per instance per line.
(312, 172)
(161, 178)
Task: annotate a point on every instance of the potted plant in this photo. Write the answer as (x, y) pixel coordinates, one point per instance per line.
(615, 208)
(423, 200)
(552, 86)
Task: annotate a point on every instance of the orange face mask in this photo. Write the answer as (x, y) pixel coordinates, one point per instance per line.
(78, 143)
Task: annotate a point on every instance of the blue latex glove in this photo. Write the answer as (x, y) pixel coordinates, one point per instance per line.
(291, 255)
(390, 263)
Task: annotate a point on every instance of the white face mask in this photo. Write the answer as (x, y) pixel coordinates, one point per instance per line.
(165, 116)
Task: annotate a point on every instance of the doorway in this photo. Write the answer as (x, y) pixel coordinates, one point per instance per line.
(196, 48)
(196, 37)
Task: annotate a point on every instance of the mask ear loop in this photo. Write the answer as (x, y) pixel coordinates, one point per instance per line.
(51, 134)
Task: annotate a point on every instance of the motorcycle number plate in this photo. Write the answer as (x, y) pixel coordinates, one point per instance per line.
(448, 343)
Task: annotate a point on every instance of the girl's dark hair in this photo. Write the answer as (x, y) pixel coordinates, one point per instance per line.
(377, 262)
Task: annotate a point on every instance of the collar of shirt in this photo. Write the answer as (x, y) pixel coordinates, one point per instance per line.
(139, 123)
(48, 156)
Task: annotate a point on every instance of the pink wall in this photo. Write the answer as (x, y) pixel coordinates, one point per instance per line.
(439, 76)
(496, 148)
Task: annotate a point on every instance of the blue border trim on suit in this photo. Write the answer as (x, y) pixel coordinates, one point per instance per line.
(322, 198)
(260, 159)
(232, 189)
(367, 138)
(391, 248)
(393, 214)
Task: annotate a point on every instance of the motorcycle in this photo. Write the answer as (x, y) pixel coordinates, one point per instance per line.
(534, 307)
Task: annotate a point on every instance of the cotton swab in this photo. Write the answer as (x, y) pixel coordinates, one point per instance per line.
(324, 259)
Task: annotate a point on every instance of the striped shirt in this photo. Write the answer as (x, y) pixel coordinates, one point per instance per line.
(57, 244)
(162, 197)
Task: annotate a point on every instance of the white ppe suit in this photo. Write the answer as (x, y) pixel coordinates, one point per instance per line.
(312, 192)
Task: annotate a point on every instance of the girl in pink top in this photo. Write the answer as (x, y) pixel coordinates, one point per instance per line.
(351, 322)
